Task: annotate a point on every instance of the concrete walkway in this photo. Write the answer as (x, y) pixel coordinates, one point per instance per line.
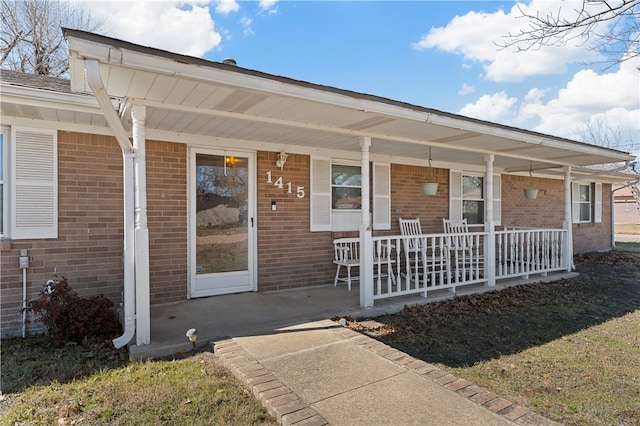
(321, 373)
(309, 370)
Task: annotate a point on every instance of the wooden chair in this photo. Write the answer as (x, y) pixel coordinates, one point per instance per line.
(434, 259)
(464, 247)
(413, 247)
(347, 254)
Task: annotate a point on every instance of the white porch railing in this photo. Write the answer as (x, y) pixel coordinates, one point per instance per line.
(524, 251)
(405, 265)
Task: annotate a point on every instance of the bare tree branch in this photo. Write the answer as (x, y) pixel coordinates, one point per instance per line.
(612, 27)
(31, 39)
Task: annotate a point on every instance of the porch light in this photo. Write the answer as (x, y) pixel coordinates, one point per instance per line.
(192, 335)
(530, 193)
(282, 158)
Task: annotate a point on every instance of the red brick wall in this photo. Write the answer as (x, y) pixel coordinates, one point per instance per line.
(167, 221)
(408, 201)
(289, 255)
(88, 250)
(548, 211)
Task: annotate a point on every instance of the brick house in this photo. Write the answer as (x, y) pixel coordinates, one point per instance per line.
(153, 178)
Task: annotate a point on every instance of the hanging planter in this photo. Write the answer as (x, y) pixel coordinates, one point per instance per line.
(530, 193)
(430, 186)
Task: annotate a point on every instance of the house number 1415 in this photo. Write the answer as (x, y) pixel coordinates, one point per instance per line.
(279, 184)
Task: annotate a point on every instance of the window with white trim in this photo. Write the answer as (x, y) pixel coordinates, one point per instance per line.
(346, 187)
(336, 195)
(467, 197)
(587, 202)
(473, 199)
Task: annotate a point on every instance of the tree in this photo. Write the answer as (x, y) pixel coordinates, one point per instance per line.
(31, 39)
(613, 27)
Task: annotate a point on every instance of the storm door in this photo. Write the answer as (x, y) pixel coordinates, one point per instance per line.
(222, 223)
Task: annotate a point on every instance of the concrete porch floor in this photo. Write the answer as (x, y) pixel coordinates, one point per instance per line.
(247, 314)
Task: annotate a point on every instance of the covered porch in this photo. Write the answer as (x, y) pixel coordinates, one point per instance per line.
(187, 103)
(246, 314)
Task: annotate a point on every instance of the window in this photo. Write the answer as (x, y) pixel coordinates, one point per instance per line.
(473, 199)
(467, 197)
(584, 203)
(587, 202)
(346, 187)
(336, 195)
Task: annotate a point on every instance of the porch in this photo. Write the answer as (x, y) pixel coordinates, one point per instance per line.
(246, 314)
(421, 264)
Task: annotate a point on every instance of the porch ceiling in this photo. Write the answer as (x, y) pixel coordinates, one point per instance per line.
(189, 97)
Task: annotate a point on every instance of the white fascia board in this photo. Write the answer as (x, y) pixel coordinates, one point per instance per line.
(58, 125)
(166, 66)
(50, 99)
(523, 136)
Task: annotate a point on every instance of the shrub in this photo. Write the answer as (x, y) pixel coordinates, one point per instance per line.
(69, 317)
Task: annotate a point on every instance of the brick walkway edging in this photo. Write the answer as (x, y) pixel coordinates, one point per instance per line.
(289, 410)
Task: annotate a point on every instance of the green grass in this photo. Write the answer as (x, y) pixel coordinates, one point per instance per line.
(568, 350)
(45, 382)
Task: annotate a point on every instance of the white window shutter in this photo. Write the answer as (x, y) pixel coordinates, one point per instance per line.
(455, 195)
(320, 194)
(597, 207)
(575, 197)
(497, 199)
(381, 196)
(35, 190)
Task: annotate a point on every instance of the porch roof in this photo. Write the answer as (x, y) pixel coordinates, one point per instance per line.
(190, 99)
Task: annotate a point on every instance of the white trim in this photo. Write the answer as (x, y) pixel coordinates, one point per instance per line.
(597, 203)
(4, 179)
(252, 226)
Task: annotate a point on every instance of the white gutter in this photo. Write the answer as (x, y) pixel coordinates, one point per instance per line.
(92, 72)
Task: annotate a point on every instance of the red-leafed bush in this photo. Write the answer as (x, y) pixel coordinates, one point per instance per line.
(69, 317)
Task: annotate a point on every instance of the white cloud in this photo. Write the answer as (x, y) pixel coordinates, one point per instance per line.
(496, 108)
(224, 7)
(614, 97)
(477, 36)
(182, 27)
(466, 89)
(245, 23)
(269, 6)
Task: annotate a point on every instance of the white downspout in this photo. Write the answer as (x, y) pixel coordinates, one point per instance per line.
(129, 295)
(366, 242)
(92, 72)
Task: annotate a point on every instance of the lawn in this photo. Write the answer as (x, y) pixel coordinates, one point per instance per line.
(568, 350)
(45, 382)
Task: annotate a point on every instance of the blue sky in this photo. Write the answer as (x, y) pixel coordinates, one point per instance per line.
(437, 54)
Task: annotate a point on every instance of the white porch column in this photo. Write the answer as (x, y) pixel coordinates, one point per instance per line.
(568, 219)
(366, 242)
(143, 311)
(489, 226)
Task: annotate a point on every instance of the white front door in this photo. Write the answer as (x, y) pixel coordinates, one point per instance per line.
(222, 239)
